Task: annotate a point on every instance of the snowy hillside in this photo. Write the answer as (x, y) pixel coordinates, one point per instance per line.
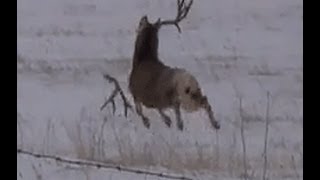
(236, 49)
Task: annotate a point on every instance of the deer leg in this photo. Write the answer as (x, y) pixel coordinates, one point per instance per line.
(177, 111)
(165, 118)
(139, 111)
(215, 124)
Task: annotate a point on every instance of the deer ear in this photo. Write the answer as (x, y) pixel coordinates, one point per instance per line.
(144, 19)
(142, 23)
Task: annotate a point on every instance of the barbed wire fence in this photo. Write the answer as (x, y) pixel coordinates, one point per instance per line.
(99, 165)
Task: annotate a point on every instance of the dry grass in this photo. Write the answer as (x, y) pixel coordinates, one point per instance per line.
(93, 137)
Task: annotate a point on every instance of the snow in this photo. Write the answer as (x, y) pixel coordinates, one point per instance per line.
(236, 49)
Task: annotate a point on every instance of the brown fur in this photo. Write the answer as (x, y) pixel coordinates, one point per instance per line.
(148, 71)
(156, 85)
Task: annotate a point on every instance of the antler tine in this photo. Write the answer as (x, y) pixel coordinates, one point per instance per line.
(182, 11)
(186, 9)
(180, 5)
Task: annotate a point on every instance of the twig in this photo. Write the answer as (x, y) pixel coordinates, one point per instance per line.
(115, 92)
(101, 140)
(243, 142)
(294, 167)
(110, 99)
(20, 132)
(117, 139)
(200, 153)
(217, 149)
(38, 175)
(266, 139)
(100, 165)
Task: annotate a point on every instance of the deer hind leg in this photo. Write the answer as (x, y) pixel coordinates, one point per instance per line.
(139, 111)
(177, 111)
(165, 117)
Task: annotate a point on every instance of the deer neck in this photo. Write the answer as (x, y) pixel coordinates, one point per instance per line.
(146, 47)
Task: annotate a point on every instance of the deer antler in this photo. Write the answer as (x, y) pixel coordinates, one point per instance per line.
(115, 92)
(183, 10)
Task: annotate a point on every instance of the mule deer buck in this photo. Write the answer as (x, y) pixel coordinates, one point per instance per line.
(158, 86)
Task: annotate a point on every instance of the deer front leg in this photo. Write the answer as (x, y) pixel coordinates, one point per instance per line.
(139, 111)
(165, 117)
(215, 124)
(177, 111)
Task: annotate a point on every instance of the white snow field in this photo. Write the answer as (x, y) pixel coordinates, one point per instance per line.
(237, 49)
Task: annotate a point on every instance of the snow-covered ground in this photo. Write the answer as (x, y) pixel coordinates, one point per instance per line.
(236, 49)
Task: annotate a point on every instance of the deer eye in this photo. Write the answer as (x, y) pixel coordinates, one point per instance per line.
(187, 90)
